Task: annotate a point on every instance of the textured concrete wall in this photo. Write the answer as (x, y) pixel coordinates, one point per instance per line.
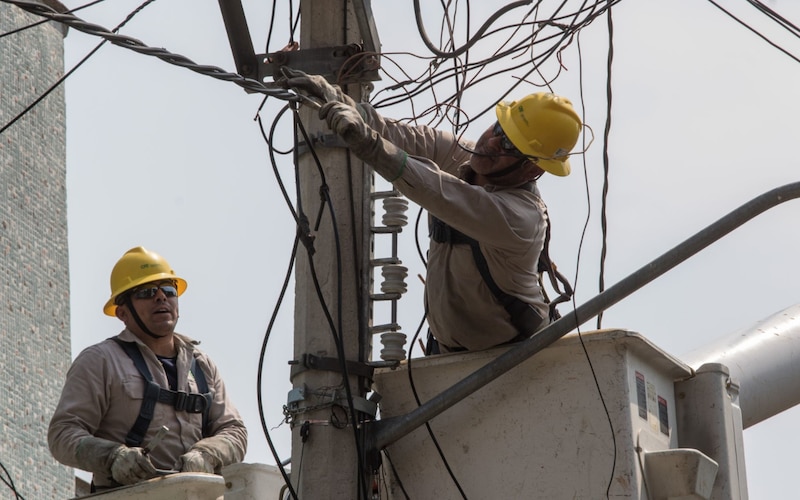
(34, 277)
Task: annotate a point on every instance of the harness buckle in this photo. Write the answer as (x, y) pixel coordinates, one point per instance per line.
(190, 402)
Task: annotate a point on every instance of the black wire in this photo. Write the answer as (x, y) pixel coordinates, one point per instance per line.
(396, 475)
(577, 270)
(43, 21)
(338, 338)
(606, 133)
(74, 68)
(715, 4)
(417, 240)
(782, 21)
(259, 376)
(427, 424)
(274, 163)
(10, 482)
(138, 46)
(434, 50)
(442, 76)
(568, 30)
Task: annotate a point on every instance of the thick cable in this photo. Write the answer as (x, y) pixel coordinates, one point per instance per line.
(335, 326)
(259, 376)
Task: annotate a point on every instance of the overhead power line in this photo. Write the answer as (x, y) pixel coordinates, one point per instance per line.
(138, 46)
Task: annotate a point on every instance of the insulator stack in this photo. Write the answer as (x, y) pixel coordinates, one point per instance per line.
(394, 274)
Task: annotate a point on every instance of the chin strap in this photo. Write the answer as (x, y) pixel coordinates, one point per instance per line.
(129, 303)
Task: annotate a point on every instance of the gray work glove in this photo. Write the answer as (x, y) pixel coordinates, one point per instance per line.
(210, 455)
(112, 460)
(313, 86)
(197, 461)
(131, 465)
(385, 158)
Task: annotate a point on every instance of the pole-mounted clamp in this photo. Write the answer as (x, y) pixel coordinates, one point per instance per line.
(309, 361)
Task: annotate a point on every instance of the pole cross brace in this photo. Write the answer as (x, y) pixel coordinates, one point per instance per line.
(339, 64)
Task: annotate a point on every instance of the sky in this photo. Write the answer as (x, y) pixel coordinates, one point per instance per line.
(704, 118)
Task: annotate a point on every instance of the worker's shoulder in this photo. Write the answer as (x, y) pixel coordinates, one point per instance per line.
(99, 347)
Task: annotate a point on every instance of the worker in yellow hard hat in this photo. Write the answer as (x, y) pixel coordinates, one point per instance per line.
(146, 402)
(488, 223)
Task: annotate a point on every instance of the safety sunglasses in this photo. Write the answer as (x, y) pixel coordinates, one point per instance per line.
(505, 143)
(148, 292)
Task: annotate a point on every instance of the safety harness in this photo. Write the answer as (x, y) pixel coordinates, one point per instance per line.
(523, 316)
(154, 393)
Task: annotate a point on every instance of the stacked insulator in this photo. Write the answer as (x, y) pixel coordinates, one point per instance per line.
(394, 275)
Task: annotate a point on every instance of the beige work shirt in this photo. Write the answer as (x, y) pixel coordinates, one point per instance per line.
(509, 223)
(102, 397)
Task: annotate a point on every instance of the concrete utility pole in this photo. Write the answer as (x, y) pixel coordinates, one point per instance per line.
(324, 452)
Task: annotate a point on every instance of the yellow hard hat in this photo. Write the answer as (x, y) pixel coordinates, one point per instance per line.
(137, 267)
(542, 125)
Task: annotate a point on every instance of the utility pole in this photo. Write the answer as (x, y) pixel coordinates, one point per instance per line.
(325, 461)
(333, 273)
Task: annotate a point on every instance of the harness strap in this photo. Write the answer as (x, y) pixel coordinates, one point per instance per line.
(154, 393)
(523, 316)
(546, 265)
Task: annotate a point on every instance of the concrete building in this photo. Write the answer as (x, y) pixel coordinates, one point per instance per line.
(34, 260)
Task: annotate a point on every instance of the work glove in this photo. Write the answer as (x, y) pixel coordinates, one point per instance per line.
(315, 86)
(345, 121)
(197, 461)
(131, 465)
(210, 455)
(112, 460)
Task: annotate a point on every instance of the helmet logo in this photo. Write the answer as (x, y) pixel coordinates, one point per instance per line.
(522, 116)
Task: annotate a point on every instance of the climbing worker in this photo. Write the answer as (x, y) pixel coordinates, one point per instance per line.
(121, 392)
(488, 223)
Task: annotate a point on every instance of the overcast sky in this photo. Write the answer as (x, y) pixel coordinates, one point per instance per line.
(704, 119)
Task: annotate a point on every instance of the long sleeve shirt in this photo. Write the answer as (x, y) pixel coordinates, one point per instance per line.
(509, 223)
(102, 396)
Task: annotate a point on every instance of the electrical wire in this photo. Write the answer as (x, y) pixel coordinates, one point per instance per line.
(334, 326)
(66, 75)
(549, 35)
(780, 20)
(604, 195)
(10, 483)
(568, 33)
(456, 52)
(763, 9)
(577, 273)
(428, 427)
(259, 377)
(44, 21)
(396, 476)
(302, 222)
(138, 46)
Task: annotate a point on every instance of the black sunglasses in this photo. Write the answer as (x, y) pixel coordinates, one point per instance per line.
(505, 143)
(148, 292)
